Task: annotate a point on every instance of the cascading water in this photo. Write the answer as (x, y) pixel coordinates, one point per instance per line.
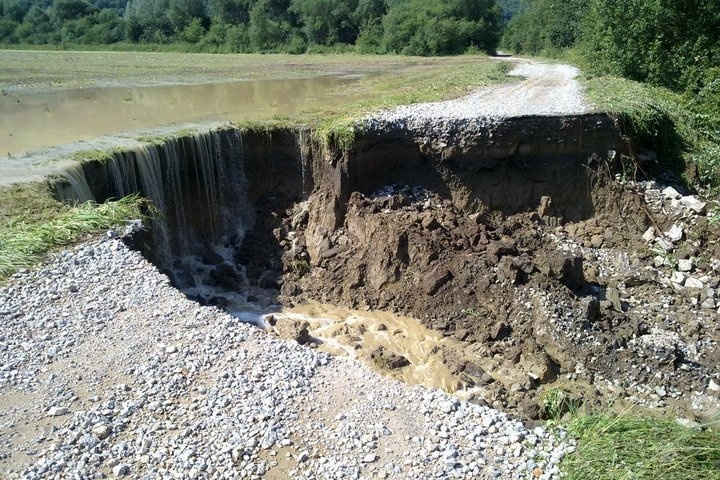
(197, 184)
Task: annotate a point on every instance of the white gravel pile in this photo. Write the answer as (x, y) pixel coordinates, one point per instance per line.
(107, 371)
(547, 89)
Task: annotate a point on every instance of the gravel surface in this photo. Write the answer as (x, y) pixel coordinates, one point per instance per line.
(547, 89)
(107, 371)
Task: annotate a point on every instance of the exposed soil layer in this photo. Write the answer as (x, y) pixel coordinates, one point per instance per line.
(516, 239)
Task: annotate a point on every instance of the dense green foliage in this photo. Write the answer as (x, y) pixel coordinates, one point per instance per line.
(429, 27)
(674, 44)
(509, 8)
(544, 25)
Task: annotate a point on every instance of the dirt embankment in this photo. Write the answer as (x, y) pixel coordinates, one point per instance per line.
(515, 237)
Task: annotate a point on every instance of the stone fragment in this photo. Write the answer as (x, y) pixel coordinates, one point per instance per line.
(386, 359)
(498, 249)
(508, 271)
(713, 386)
(665, 244)
(694, 204)
(102, 431)
(567, 268)
(545, 206)
(369, 458)
(671, 193)
(678, 278)
(660, 261)
(675, 234)
(436, 280)
(687, 423)
(685, 265)
(290, 329)
(649, 235)
(58, 411)
(121, 470)
(430, 223)
(708, 304)
(694, 283)
(613, 296)
(591, 308)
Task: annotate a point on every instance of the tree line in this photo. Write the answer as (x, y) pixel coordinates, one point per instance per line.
(411, 27)
(670, 43)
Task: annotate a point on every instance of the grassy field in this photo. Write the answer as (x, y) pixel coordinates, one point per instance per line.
(32, 70)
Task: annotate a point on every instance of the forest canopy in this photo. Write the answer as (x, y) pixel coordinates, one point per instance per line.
(417, 27)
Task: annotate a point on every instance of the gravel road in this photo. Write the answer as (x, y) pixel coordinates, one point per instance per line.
(546, 89)
(107, 371)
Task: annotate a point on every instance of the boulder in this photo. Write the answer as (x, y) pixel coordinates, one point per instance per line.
(435, 281)
(567, 268)
(388, 360)
(290, 329)
(693, 204)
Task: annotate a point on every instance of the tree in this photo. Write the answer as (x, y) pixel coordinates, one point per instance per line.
(181, 13)
(673, 43)
(326, 22)
(64, 10)
(265, 32)
(37, 28)
(437, 27)
(233, 12)
(544, 25)
(15, 10)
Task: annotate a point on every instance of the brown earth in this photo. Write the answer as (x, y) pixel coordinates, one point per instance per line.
(538, 295)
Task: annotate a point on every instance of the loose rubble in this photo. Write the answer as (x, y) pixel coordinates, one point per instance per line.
(122, 376)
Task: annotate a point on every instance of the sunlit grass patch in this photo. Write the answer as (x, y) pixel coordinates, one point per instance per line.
(626, 447)
(23, 240)
(680, 128)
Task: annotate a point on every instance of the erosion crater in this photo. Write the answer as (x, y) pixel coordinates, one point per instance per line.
(509, 238)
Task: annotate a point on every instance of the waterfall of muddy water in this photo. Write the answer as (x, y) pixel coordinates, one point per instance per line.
(196, 182)
(32, 121)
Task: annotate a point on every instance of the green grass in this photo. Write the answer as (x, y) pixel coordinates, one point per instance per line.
(49, 224)
(627, 447)
(683, 131)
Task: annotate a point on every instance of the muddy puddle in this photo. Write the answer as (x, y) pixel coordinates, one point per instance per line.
(396, 346)
(34, 121)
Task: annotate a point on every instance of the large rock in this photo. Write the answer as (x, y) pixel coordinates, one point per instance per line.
(290, 329)
(567, 268)
(388, 360)
(436, 280)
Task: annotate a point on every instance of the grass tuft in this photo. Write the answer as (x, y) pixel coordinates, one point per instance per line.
(627, 447)
(23, 240)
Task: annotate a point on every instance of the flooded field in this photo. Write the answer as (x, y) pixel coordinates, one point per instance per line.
(37, 120)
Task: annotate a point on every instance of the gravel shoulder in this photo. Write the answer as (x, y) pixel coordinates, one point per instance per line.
(108, 371)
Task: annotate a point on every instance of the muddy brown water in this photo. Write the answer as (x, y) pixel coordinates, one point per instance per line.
(356, 334)
(32, 121)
